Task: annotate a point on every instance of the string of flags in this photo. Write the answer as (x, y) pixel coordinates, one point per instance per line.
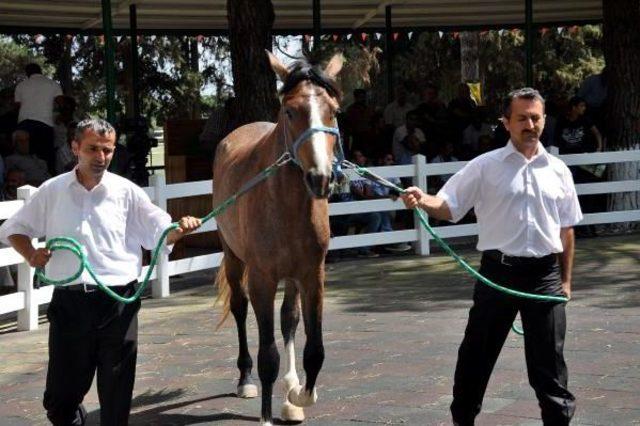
(365, 37)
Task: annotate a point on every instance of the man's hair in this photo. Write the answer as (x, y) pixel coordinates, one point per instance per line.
(357, 92)
(31, 69)
(96, 125)
(575, 101)
(524, 93)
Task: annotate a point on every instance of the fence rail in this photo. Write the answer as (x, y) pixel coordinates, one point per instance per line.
(27, 299)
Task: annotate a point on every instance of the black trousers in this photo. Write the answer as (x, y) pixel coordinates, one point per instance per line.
(90, 333)
(544, 325)
(41, 138)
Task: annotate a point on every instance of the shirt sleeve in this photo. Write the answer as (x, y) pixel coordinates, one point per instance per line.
(569, 207)
(17, 95)
(29, 220)
(461, 190)
(149, 221)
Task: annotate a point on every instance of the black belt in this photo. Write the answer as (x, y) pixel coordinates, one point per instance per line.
(90, 288)
(500, 257)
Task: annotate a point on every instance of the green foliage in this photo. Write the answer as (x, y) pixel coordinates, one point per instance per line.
(13, 58)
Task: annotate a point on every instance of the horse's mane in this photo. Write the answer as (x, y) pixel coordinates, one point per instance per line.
(304, 69)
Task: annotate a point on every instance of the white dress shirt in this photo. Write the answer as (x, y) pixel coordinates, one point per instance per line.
(520, 204)
(112, 222)
(36, 95)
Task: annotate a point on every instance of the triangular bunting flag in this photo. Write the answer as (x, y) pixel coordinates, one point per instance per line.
(363, 36)
(440, 33)
(378, 35)
(395, 36)
(410, 34)
(348, 36)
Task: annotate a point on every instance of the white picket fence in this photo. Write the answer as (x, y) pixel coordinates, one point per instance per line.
(27, 299)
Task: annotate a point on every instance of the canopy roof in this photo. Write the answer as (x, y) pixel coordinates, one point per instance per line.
(292, 16)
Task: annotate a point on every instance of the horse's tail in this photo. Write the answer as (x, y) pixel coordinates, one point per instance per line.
(225, 290)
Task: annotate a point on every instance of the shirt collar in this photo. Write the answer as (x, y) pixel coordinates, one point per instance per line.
(72, 178)
(510, 150)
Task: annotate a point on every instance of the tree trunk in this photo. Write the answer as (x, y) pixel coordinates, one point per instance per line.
(469, 56)
(250, 23)
(63, 72)
(621, 45)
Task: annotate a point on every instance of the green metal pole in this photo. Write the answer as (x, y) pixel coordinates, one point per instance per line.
(528, 36)
(317, 24)
(389, 53)
(109, 61)
(135, 76)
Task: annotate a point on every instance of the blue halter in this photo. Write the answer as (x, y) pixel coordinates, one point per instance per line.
(306, 136)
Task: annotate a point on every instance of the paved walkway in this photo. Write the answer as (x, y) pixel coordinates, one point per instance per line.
(392, 328)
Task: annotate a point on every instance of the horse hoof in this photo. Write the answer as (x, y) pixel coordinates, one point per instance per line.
(265, 423)
(291, 413)
(299, 396)
(247, 391)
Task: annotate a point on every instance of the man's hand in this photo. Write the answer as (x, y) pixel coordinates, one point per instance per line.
(187, 225)
(39, 258)
(566, 288)
(412, 196)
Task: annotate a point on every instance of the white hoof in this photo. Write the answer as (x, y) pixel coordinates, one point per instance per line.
(263, 423)
(291, 413)
(247, 391)
(300, 397)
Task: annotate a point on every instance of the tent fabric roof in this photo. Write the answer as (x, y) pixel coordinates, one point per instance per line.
(294, 15)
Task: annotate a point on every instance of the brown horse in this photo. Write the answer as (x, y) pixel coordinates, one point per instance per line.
(279, 231)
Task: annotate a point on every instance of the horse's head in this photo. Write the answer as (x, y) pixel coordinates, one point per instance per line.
(310, 101)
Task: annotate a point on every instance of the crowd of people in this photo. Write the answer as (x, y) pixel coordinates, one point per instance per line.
(459, 130)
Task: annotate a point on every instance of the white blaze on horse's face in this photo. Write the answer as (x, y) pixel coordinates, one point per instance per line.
(318, 175)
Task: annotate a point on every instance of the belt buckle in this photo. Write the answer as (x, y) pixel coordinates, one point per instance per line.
(503, 261)
(90, 290)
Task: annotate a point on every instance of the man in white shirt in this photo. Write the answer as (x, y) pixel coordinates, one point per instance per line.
(89, 331)
(526, 206)
(36, 97)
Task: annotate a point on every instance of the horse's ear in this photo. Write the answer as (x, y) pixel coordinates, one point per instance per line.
(278, 67)
(335, 65)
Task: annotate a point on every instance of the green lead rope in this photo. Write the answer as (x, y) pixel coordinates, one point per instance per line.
(362, 171)
(72, 245)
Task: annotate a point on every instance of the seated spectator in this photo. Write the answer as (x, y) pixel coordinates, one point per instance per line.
(461, 110)
(472, 133)
(378, 139)
(408, 139)
(352, 191)
(66, 160)
(381, 191)
(445, 155)
(14, 180)
(63, 120)
(575, 132)
(35, 168)
(433, 115)
(395, 113)
(357, 121)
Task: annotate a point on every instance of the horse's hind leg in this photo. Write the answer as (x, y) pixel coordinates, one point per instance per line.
(238, 305)
(314, 348)
(289, 318)
(262, 294)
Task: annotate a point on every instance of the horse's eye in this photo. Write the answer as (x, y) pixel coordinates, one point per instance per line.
(289, 113)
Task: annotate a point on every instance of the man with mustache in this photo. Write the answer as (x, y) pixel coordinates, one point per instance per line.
(91, 333)
(526, 206)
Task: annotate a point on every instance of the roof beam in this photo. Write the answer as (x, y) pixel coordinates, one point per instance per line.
(123, 6)
(373, 12)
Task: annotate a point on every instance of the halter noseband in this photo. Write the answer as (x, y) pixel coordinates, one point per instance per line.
(306, 136)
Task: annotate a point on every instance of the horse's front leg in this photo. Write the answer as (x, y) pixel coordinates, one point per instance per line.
(262, 296)
(289, 318)
(312, 293)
